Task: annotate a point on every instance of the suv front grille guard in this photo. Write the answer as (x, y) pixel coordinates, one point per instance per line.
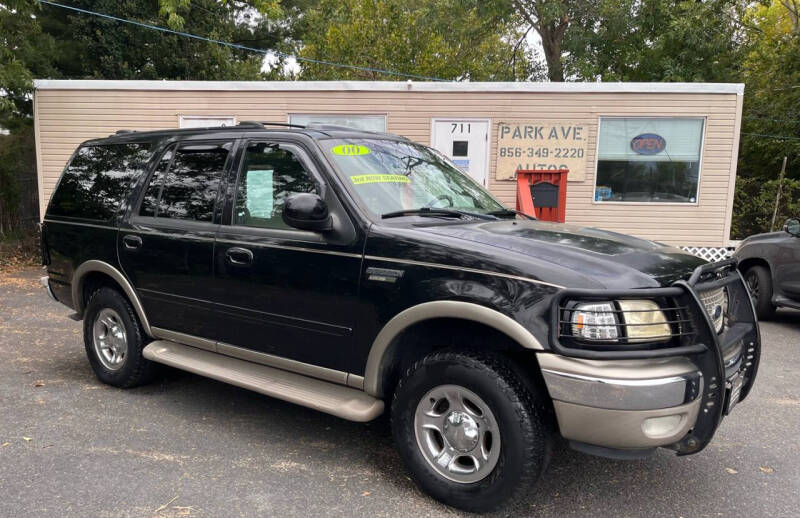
(676, 320)
(721, 357)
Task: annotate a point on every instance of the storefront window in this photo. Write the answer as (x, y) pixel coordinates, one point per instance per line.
(648, 160)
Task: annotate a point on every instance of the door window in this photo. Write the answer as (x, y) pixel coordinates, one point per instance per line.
(269, 175)
(184, 186)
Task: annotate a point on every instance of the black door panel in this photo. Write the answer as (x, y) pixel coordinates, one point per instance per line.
(280, 290)
(167, 247)
(171, 270)
(295, 299)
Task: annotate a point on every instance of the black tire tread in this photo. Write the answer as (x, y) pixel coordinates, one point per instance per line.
(527, 403)
(144, 370)
(764, 308)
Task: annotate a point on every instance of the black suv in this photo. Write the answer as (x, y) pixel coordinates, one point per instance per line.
(357, 272)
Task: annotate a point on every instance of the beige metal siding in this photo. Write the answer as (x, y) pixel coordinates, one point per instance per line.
(67, 117)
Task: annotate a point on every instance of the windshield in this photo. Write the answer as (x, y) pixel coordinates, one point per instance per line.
(389, 176)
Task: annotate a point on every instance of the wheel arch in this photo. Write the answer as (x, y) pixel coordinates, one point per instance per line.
(748, 262)
(92, 269)
(385, 346)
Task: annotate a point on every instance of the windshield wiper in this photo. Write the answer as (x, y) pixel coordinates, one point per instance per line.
(428, 211)
(509, 212)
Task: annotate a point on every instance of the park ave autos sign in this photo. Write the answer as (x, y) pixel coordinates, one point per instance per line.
(542, 145)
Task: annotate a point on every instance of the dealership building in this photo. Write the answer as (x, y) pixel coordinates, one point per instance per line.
(655, 160)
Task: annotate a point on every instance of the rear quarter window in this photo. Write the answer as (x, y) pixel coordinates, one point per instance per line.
(96, 180)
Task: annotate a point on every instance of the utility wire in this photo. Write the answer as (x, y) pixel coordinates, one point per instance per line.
(242, 47)
(779, 137)
(308, 60)
(754, 117)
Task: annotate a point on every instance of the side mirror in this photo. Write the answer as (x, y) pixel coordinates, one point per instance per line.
(307, 211)
(792, 226)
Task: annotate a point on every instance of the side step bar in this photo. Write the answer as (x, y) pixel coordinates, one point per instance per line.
(345, 402)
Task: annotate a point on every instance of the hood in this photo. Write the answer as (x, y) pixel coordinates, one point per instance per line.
(614, 260)
(768, 237)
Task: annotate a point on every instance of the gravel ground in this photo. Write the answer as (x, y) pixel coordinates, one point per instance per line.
(189, 446)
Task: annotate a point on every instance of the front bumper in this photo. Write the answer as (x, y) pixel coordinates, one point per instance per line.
(45, 282)
(642, 399)
(624, 404)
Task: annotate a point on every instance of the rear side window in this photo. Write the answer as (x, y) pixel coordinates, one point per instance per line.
(96, 180)
(185, 182)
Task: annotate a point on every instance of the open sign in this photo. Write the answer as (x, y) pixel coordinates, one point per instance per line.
(648, 144)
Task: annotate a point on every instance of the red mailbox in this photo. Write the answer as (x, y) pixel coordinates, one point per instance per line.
(543, 193)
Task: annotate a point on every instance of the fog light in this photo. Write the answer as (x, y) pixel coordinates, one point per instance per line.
(662, 426)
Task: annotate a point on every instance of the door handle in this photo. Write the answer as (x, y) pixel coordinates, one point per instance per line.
(131, 242)
(239, 256)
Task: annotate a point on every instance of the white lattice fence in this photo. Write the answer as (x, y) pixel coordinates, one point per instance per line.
(710, 253)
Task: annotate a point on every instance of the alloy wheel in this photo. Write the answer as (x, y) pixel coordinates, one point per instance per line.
(457, 433)
(109, 339)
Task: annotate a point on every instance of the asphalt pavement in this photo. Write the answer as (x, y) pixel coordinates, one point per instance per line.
(189, 446)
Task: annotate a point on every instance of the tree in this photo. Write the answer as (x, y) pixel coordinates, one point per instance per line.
(24, 52)
(448, 39)
(42, 41)
(772, 101)
(635, 40)
(771, 120)
(654, 40)
(551, 19)
(94, 47)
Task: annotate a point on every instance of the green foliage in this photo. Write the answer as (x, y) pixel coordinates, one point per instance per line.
(18, 210)
(176, 11)
(41, 41)
(448, 39)
(771, 72)
(754, 204)
(653, 40)
(96, 48)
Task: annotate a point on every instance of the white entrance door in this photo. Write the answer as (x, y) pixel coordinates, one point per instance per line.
(466, 142)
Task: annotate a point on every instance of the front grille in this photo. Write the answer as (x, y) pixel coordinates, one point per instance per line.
(714, 302)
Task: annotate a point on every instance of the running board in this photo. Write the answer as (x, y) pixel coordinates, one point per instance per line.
(345, 402)
(785, 302)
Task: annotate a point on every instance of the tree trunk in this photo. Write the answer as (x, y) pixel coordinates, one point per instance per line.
(551, 43)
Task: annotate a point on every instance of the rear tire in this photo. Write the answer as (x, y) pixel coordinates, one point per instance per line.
(470, 431)
(759, 285)
(114, 340)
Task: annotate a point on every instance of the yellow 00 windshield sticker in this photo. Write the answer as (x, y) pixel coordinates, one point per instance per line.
(350, 150)
(379, 178)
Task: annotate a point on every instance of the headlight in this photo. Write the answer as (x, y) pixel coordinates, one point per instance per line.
(595, 321)
(643, 320)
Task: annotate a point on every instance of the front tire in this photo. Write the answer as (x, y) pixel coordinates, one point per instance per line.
(469, 430)
(759, 284)
(114, 340)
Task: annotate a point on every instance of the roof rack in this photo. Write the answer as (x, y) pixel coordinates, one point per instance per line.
(262, 123)
(123, 131)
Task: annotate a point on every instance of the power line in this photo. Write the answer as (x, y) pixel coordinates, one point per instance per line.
(780, 137)
(753, 117)
(243, 47)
